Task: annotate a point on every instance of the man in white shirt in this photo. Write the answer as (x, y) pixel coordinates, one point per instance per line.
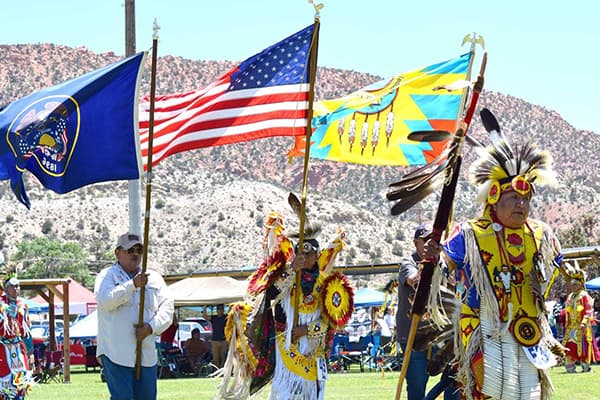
(117, 293)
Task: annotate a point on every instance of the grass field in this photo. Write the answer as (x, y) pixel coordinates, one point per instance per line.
(354, 385)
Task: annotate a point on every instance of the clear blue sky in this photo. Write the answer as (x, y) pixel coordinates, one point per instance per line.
(545, 52)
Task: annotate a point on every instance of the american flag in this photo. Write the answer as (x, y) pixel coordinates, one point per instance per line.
(266, 95)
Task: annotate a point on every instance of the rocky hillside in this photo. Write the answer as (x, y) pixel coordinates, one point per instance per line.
(208, 205)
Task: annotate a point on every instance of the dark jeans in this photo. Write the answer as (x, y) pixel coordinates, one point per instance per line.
(123, 385)
(446, 385)
(416, 374)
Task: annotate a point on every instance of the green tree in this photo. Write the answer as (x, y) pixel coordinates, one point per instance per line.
(46, 258)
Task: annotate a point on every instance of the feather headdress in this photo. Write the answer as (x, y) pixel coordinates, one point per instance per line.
(573, 271)
(501, 168)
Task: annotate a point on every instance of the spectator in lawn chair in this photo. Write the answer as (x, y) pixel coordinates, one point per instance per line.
(218, 342)
(117, 291)
(502, 262)
(15, 377)
(579, 317)
(197, 351)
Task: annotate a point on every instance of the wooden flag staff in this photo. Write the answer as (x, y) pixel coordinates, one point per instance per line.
(311, 95)
(138, 350)
(439, 226)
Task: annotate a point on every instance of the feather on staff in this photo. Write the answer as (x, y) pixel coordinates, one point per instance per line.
(310, 230)
(419, 183)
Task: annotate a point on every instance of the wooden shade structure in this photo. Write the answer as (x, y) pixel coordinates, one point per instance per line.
(52, 285)
(583, 255)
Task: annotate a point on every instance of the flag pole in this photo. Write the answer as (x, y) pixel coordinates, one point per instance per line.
(311, 96)
(474, 39)
(133, 185)
(440, 224)
(138, 352)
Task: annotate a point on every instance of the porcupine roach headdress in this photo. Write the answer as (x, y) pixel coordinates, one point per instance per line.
(573, 271)
(501, 168)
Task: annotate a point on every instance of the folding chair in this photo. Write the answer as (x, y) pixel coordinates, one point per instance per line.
(202, 367)
(52, 370)
(356, 353)
(336, 362)
(90, 358)
(167, 362)
(206, 367)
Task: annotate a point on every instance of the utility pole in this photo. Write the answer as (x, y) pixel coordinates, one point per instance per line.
(134, 190)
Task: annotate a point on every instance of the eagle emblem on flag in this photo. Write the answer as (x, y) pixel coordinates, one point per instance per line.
(46, 131)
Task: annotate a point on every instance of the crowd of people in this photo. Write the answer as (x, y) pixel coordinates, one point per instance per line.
(499, 296)
(499, 315)
(496, 266)
(500, 302)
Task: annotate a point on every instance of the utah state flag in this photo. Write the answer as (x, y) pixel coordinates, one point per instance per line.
(80, 132)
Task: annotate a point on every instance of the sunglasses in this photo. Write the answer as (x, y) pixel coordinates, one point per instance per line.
(138, 250)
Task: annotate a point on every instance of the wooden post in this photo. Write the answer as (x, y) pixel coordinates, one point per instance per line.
(51, 319)
(66, 336)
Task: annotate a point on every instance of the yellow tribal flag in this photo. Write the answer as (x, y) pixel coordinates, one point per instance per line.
(371, 125)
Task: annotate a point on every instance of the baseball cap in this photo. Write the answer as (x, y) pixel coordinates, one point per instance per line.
(422, 232)
(12, 281)
(128, 240)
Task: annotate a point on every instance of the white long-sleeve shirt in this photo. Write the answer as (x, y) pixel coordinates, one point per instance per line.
(118, 312)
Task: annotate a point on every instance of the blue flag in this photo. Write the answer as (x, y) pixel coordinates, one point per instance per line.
(80, 132)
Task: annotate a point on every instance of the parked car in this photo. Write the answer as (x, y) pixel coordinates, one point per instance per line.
(59, 325)
(39, 334)
(206, 325)
(40, 330)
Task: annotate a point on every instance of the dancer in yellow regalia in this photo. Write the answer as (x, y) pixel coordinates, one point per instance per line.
(265, 342)
(502, 262)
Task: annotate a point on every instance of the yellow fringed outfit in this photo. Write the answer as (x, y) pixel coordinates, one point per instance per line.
(260, 329)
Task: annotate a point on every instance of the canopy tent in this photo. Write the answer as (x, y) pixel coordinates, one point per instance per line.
(367, 297)
(593, 284)
(81, 300)
(85, 328)
(207, 290)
